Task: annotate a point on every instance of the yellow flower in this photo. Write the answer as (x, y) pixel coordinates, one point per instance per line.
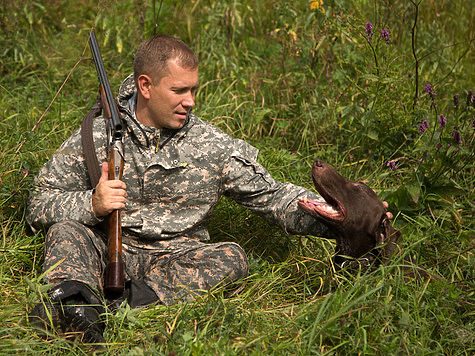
(317, 4)
(293, 35)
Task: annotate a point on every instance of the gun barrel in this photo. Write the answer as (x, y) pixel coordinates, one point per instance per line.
(101, 73)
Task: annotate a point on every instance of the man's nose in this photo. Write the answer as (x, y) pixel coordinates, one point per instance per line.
(189, 100)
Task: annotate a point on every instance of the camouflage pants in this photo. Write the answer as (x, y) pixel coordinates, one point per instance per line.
(175, 269)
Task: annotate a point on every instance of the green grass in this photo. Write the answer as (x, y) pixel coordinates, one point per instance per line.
(298, 84)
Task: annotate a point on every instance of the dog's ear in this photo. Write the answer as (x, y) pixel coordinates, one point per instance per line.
(388, 241)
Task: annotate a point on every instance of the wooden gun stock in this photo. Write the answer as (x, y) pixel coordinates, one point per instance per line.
(114, 274)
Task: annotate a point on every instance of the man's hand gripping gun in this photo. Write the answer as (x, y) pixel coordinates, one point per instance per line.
(114, 273)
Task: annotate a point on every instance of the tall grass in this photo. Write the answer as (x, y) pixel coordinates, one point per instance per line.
(299, 80)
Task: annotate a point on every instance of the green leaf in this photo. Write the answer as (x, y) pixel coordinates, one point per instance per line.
(372, 134)
(414, 191)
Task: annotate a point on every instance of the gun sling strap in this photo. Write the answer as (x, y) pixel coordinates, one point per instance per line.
(92, 164)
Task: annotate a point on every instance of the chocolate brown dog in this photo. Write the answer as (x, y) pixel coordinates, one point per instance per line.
(354, 214)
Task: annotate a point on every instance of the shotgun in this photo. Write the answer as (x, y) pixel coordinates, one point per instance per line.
(114, 273)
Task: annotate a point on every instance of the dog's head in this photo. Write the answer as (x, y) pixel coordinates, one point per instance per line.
(353, 213)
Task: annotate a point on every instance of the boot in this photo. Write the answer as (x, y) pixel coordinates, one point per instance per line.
(74, 308)
(84, 320)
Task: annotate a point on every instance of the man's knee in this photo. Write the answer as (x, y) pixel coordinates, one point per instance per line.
(72, 235)
(235, 259)
(65, 229)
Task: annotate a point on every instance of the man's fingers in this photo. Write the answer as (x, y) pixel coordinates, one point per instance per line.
(116, 206)
(388, 214)
(115, 184)
(109, 202)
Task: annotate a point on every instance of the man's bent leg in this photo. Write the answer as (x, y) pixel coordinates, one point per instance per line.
(73, 261)
(74, 251)
(195, 268)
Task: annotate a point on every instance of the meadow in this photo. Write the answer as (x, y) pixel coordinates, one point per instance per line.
(382, 90)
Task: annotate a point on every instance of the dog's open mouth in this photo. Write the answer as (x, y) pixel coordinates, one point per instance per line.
(330, 209)
(324, 178)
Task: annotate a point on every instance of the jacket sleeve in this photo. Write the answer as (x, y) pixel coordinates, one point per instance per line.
(62, 190)
(252, 186)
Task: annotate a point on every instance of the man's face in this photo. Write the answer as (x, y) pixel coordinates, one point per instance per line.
(169, 101)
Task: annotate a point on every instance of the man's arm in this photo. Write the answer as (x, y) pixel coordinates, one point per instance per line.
(62, 190)
(252, 186)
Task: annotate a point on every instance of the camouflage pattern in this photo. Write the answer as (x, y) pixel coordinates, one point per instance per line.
(175, 269)
(174, 179)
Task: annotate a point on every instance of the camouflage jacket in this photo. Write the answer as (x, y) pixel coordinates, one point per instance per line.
(174, 179)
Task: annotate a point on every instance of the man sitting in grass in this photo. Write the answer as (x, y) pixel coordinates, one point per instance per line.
(176, 168)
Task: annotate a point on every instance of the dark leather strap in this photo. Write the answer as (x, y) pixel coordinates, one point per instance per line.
(93, 166)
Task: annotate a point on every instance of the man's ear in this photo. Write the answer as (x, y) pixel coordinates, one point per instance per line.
(144, 83)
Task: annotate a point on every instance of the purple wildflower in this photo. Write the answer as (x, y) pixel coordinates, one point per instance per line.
(438, 145)
(456, 101)
(385, 34)
(369, 31)
(428, 90)
(392, 165)
(423, 126)
(442, 121)
(456, 135)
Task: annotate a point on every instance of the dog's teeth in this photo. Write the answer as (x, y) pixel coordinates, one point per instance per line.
(329, 209)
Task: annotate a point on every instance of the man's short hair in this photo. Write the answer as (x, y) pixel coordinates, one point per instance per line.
(152, 57)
